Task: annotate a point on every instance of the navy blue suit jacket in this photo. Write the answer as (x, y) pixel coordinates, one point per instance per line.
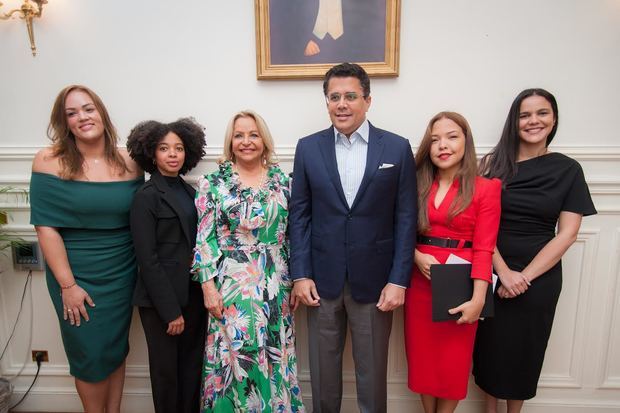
(371, 243)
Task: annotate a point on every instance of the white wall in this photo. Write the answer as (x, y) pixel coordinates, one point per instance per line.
(164, 60)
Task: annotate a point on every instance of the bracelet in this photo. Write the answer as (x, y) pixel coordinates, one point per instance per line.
(68, 286)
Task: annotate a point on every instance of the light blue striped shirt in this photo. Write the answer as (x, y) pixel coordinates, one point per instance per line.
(351, 159)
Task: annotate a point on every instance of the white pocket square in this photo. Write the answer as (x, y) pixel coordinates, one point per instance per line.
(386, 165)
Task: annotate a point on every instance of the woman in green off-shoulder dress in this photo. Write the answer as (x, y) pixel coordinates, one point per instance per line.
(92, 219)
(81, 191)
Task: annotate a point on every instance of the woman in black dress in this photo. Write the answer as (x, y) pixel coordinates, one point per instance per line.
(163, 226)
(540, 189)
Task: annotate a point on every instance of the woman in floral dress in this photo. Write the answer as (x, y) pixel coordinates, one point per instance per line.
(241, 259)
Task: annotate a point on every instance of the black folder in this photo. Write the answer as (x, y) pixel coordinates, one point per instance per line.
(451, 286)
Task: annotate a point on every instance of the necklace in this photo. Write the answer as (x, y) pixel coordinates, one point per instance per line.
(92, 160)
(261, 178)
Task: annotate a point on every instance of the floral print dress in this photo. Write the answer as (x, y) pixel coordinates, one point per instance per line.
(250, 363)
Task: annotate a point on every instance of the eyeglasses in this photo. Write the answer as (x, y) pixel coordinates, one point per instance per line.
(348, 97)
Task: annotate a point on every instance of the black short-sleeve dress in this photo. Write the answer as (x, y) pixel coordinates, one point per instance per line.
(510, 347)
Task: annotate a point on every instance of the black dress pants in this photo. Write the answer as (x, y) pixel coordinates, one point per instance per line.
(175, 362)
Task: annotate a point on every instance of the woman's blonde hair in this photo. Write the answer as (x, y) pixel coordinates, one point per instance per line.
(63, 141)
(269, 155)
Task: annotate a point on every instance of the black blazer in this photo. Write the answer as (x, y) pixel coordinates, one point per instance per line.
(163, 248)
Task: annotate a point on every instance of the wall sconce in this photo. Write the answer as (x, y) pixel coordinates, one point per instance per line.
(27, 12)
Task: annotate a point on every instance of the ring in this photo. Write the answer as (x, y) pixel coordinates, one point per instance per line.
(69, 310)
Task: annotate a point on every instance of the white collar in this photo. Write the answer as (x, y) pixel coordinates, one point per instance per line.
(363, 131)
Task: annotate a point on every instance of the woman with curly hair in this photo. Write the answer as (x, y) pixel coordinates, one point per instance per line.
(241, 260)
(163, 226)
(80, 193)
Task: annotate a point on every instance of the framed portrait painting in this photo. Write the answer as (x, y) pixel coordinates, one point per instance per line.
(304, 38)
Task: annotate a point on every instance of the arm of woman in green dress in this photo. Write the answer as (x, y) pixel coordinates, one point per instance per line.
(568, 228)
(212, 298)
(53, 247)
(207, 252)
(73, 296)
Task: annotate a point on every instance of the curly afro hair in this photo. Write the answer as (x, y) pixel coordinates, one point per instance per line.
(144, 137)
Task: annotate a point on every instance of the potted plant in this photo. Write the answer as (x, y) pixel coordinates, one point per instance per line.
(7, 240)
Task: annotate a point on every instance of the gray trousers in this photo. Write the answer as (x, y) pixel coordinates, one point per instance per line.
(370, 335)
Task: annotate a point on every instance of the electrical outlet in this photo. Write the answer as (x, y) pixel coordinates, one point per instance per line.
(28, 256)
(44, 356)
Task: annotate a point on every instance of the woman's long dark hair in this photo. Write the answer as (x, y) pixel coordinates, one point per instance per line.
(501, 162)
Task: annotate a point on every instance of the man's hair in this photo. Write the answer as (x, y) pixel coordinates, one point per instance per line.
(348, 70)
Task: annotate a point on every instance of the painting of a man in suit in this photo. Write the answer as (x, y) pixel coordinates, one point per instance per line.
(327, 31)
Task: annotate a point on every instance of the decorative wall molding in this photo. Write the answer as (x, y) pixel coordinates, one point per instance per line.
(286, 152)
(138, 400)
(600, 184)
(608, 347)
(575, 350)
(135, 371)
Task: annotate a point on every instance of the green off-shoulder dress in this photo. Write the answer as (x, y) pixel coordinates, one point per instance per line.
(93, 221)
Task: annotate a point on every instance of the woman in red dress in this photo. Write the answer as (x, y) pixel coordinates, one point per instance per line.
(458, 214)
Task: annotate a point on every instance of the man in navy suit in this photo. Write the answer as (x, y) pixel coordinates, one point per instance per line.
(352, 230)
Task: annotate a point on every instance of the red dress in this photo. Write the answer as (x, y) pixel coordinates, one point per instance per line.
(439, 353)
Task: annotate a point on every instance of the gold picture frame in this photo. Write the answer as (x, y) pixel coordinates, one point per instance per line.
(277, 32)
